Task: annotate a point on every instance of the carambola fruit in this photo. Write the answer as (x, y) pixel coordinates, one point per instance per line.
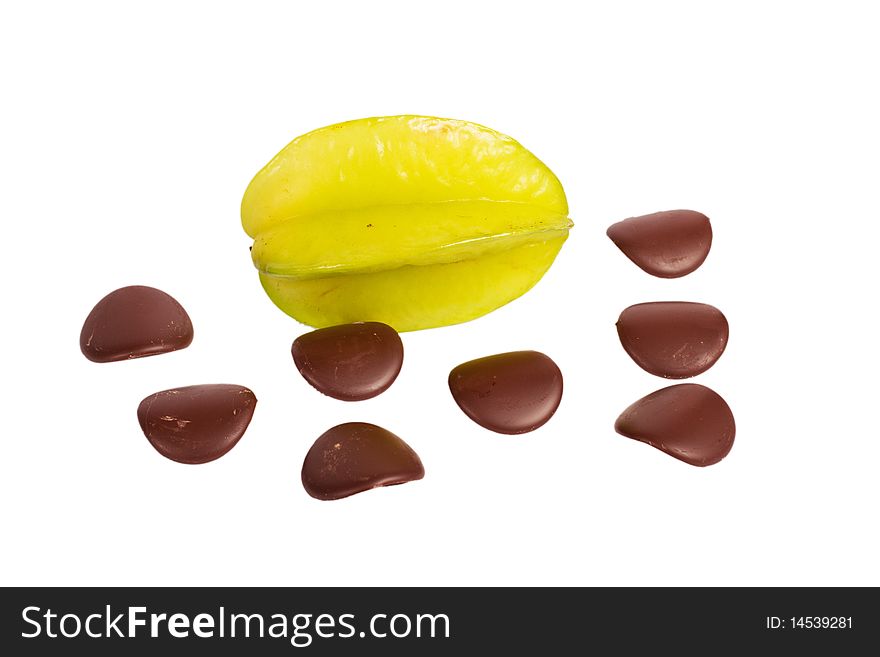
(412, 221)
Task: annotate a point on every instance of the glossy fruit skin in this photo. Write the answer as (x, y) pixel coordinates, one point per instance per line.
(412, 221)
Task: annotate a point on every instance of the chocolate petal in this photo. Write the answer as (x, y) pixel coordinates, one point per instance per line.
(196, 424)
(687, 421)
(665, 244)
(508, 393)
(673, 339)
(350, 362)
(133, 322)
(357, 456)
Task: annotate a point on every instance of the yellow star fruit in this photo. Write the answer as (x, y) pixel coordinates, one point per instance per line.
(412, 221)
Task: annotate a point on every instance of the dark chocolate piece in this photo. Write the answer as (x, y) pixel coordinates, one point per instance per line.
(350, 362)
(687, 421)
(196, 424)
(673, 339)
(356, 456)
(133, 322)
(508, 393)
(665, 244)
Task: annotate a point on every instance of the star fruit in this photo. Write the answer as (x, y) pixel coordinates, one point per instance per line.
(413, 221)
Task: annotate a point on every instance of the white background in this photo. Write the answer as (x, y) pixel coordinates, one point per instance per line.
(129, 133)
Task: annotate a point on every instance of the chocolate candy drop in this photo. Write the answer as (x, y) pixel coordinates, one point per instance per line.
(196, 424)
(350, 362)
(665, 244)
(356, 456)
(508, 393)
(673, 339)
(133, 322)
(687, 421)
